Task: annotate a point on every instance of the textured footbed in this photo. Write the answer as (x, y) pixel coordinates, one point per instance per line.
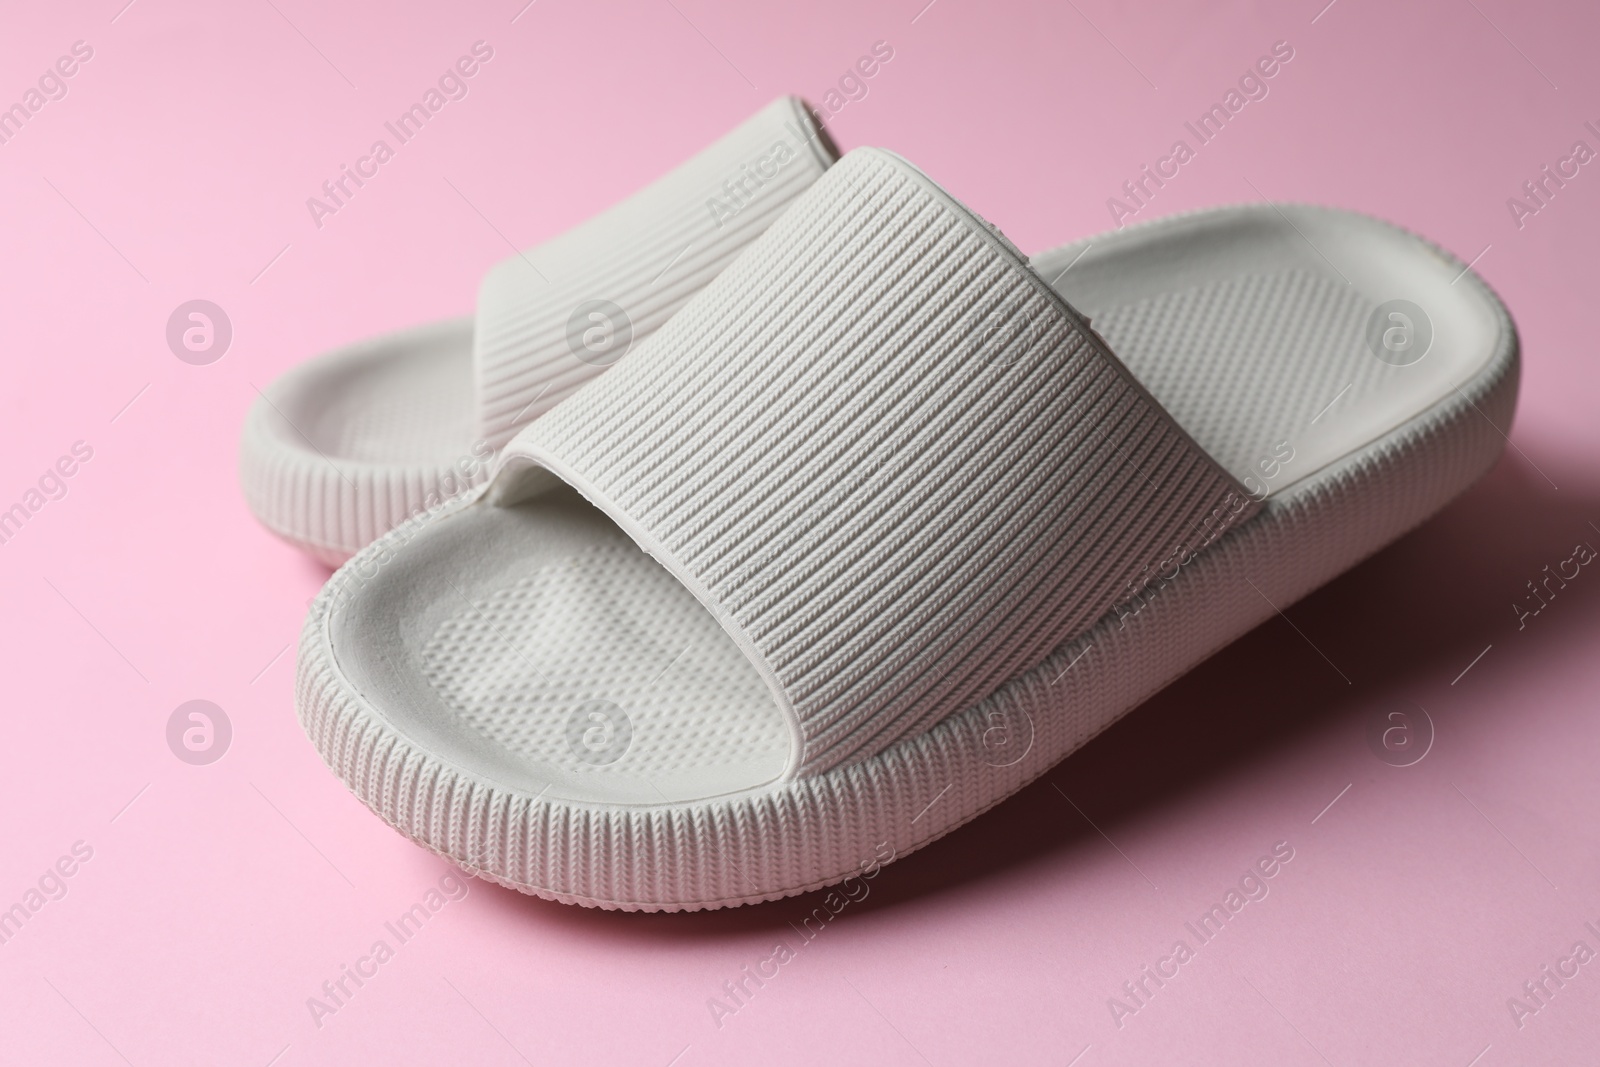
(343, 447)
(502, 645)
(1250, 326)
(404, 398)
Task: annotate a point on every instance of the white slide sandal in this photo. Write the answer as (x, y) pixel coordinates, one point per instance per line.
(877, 529)
(341, 449)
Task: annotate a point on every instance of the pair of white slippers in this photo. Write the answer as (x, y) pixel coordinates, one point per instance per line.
(855, 526)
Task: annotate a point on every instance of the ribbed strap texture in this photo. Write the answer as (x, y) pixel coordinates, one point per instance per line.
(890, 458)
(552, 318)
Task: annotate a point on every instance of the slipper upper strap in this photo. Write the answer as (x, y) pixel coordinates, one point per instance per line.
(552, 318)
(891, 460)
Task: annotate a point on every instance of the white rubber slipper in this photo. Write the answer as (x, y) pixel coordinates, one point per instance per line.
(341, 449)
(876, 530)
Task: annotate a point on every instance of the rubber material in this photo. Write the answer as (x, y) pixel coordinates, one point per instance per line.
(472, 768)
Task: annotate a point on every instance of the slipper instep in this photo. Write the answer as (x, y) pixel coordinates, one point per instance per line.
(343, 448)
(877, 529)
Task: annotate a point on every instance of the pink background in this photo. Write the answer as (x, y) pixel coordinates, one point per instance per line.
(222, 896)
